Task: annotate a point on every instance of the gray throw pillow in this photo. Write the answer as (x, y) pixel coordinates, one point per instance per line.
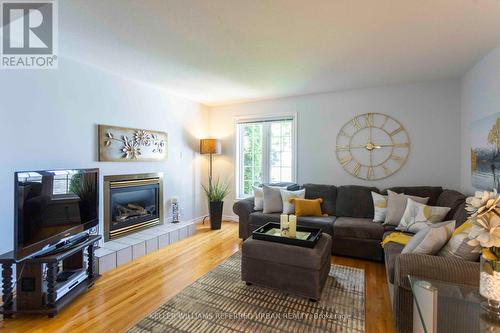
(272, 199)
(396, 206)
(431, 239)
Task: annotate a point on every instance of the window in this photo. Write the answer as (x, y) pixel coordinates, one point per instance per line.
(62, 183)
(265, 152)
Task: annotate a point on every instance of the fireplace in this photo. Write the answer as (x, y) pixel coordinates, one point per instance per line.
(132, 203)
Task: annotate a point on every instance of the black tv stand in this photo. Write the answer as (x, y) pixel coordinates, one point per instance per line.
(62, 246)
(37, 293)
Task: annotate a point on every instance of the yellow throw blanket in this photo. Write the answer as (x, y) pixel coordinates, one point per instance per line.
(397, 237)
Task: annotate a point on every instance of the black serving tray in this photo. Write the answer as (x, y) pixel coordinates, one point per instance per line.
(265, 233)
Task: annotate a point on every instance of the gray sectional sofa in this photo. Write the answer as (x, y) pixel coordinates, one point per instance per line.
(354, 234)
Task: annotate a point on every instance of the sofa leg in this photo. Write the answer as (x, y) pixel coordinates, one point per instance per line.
(248, 283)
(312, 300)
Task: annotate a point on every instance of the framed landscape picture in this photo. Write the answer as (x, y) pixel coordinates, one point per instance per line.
(485, 153)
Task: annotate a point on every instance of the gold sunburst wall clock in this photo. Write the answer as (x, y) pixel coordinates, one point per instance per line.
(372, 146)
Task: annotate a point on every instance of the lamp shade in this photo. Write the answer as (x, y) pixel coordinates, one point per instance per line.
(210, 146)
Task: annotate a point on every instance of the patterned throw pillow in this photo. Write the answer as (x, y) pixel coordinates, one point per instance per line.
(417, 216)
(289, 207)
(457, 246)
(379, 207)
(430, 239)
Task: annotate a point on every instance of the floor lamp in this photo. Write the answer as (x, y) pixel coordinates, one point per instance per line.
(210, 147)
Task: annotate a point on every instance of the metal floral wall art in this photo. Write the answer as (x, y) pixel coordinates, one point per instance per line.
(121, 144)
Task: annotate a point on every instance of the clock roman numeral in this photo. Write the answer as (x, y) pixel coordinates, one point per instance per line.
(396, 158)
(369, 119)
(343, 133)
(356, 124)
(385, 121)
(401, 145)
(345, 160)
(356, 168)
(387, 171)
(396, 131)
(369, 173)
(342, 148)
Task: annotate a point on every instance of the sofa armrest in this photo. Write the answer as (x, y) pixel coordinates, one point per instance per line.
(438, 268)
(243, 208)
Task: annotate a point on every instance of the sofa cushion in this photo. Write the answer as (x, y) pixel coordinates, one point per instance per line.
(327, 192)
(324, 222)
(258, 219)
(355, 201)
(431, 192)
(353, 227)
(460, 215)
(452, 199)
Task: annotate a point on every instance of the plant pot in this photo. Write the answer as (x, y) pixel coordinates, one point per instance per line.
(215, 211)
(489, 284)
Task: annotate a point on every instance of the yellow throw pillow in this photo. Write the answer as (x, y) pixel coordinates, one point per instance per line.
(307, 207)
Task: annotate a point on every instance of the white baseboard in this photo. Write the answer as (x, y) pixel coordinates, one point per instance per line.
(232, 218)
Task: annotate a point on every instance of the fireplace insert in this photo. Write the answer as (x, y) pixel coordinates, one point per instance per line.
(132, 203)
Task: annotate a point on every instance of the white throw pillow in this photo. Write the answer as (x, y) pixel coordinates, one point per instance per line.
(430, 239)
(272, 199)
(258, 198)
(288, 207)
(379, 207)
(417, 216)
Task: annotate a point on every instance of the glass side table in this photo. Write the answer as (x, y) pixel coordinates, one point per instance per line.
(442, 307)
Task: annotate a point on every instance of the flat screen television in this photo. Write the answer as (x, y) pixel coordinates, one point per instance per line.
(53, 205)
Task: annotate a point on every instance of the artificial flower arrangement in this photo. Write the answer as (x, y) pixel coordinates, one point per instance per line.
(485, 232)
(485, 217)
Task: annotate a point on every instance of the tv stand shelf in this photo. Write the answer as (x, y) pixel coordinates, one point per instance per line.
(32, 297)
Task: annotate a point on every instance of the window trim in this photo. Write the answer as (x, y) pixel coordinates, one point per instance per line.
(262, 118)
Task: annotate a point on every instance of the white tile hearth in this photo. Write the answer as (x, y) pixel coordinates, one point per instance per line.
(106, 259)
(122, 250)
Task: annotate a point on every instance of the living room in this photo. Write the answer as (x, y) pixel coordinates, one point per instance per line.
(264, 166)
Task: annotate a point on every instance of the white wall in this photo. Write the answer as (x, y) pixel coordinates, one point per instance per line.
(48, 120)
(430, 112)
(480, 98)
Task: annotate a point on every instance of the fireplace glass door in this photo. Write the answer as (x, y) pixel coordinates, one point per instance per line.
(133, 207)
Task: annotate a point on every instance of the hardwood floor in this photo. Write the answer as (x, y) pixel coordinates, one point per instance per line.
(124, 296)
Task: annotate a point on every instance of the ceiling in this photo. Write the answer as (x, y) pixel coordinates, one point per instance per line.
(225, 51)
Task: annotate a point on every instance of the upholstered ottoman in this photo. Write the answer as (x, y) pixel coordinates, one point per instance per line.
(293, 269)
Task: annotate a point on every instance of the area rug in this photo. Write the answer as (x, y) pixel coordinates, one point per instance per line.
(220, 302)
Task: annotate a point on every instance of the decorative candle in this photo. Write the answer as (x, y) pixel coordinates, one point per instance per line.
(292, 219)
(284, 225)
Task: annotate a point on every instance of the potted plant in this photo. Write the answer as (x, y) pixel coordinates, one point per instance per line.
(216, 192)
(485, 231)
